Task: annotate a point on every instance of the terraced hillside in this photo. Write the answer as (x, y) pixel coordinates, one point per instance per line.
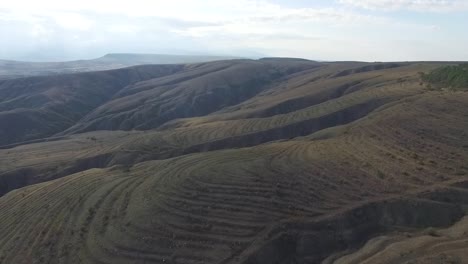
(141, 97)
(269, 161)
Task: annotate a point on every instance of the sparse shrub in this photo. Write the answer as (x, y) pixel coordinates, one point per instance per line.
(380, 174)
(91, 211)
(82, 231)
(106, 220)
(432, 232)
(452, 77)
(430, 88)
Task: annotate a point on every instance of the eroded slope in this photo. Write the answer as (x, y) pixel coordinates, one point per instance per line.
(329, 102)
(246, 205)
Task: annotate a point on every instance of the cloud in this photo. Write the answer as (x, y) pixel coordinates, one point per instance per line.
(73, 21)
(414, 5)
(329, 31)
(280, 22)
(187, 9)
(330, 15)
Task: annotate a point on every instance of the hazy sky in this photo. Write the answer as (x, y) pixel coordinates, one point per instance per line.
(370, 30)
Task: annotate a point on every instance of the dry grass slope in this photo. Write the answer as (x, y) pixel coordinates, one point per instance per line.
(362, 167)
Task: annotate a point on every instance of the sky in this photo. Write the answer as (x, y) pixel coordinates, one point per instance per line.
(364, 30)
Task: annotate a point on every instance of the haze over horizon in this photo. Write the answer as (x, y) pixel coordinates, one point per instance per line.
(380, 30)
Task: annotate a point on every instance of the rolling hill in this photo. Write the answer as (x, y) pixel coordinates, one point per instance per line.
(36, 107)
(240, 161)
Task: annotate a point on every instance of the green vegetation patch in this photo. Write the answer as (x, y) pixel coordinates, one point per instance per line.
(453, 77)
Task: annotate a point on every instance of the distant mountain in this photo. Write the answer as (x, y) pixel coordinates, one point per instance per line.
(14, 69)
(136, 59)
